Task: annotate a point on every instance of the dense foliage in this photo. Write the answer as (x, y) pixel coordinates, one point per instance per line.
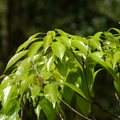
(55, 68)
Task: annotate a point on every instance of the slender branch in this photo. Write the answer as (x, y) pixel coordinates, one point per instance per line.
(39, 77)
(74, 110)
(104, 109)
(84, 71)
(76, 57)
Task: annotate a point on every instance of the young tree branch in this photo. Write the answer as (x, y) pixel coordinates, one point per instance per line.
(104, 109)
(74, 109)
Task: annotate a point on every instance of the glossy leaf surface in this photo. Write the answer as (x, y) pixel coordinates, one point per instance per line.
(51, 93)
(15, 58)
(58, 49)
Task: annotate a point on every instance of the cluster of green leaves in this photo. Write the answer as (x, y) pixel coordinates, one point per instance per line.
(58, 65)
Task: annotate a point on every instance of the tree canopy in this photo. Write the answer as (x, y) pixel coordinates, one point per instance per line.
(21, 19)
(55, 68)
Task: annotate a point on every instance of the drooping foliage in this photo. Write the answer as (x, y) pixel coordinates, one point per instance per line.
(55, 66)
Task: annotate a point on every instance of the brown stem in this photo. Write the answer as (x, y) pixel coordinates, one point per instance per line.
(74, 109)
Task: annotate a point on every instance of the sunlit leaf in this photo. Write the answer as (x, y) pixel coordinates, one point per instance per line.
(5, 82)
(80, 45)
(51, 93)
(65, 40)
(116, 57)
(76, 89)
(58, 49)
(50, 62)
(109, 36)
(82, 39)
(46, 42)
(37, 111)
(15, 58)
(24, 67)
(97, 58)
(30, 40)
(35, 90)
(57, 75)
(52, 33)
(7, 100)
(62, 33)
(105, 65)
(116, 29)
(94, 41)
(34, 48)
(25, 83)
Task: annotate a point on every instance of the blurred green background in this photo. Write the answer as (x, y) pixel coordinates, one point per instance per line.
(19, 19)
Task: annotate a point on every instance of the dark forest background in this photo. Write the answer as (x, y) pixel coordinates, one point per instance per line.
(19, 19)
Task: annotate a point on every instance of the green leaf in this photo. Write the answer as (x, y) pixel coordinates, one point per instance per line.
(98, 59)
(76, 89)
(34, 48)
(67, 91)
(58, 49)
(48, 109)
(65, 40)
(80, 45)
(83, 105)
(5, 82)
(50, 62)
(109, 36)
(62, 68)
(51, 93)
(117, 30)
(105, 65)
(117, 86)
(25, 81)
(62, 33)
(116, 57)
(46, 42)
(94, 41)
(7, 101)
(13, 113)
(52, 33)
(15, 58)
(35, 90)
(37, 111)
(90, 79)
(24, 67)
(57, 75)
(30, 40)
(82, 39)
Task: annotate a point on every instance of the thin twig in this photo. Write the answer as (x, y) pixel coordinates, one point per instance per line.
(84, 71)
(74, 110)
(105, 110)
